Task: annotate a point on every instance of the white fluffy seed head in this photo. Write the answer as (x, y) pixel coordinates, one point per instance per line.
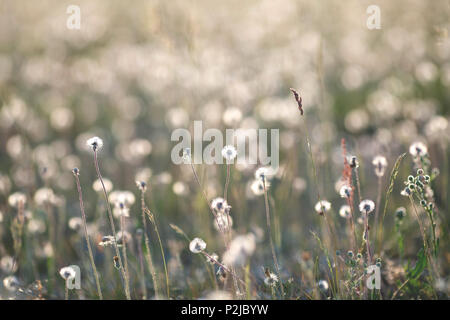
(380, 164)
(366, 206)
(322, 206)
(344, 211)
(345, 191)
(197, 245)
(95, 143)
(418, 149)
(67, 273)
(229, 153)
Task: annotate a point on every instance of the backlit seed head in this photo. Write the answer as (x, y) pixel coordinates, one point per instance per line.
(418, 149)
(322, 206)
(366, 206)
(323, 285)
(229, 153)
(95, 143)
(380, 164)
(76, 171)
(197, 245)
(406, 192)
(344, 211)
(67, 273)
(345, 191)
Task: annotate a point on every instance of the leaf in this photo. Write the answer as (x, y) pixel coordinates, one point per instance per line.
(420, 265)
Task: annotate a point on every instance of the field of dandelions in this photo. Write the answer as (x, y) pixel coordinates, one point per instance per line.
(87, 181)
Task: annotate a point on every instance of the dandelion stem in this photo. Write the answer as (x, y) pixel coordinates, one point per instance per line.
(227, 182)
(88, 242)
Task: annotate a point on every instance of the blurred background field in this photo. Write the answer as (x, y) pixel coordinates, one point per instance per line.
(136, 71)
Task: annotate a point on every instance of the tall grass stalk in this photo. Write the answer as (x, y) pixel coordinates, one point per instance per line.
(152, 219)
(269, 230)
(392, 178)
(141, 266)
(111, 221)
(148, 257)
(124, 250)
(86, 235)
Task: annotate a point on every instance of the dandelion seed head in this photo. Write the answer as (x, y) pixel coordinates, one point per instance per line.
(122, 199)
(44, 196)
(67, 273)
(323, 285)
(16, 199)
(197, 245)
(257, 187)
(418, 149)
(344, 211)
(229, 153)
(220, 205)
(97, 185)
(271, 279)
(223, 222)
(7, 264)
(345, 191)
(265, 173)
(322, 206)
(142, 186)
(380, 164)
(11, 283)
(366, 206)
(95, 143)
(239, 250)
(75, 223)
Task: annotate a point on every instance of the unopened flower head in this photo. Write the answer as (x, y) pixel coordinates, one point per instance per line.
(229, 153)
(197, 245)
(67, 273)
(418, 149)
(345, 191)
(95, 143)
(322, 206)
(366, 206)
(76, 171)
(344, 211)
(380, 164)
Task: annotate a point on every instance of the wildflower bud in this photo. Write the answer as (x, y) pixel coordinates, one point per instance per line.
(378, 260)
(350, 253)
(359, 255)
(427, 179)
(423, 203)
(410, 178)
(430, 206)
(411, 186)
(419, 172)
(76, 171)
(354, 162)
